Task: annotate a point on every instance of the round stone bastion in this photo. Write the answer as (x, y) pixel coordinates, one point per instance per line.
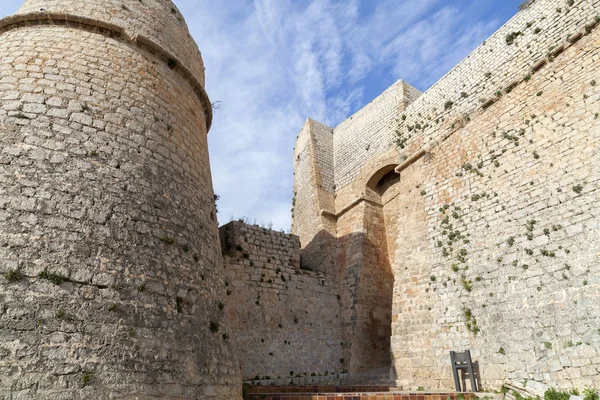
(112, 282)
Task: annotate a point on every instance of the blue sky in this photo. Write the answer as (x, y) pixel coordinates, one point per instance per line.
(273, 63)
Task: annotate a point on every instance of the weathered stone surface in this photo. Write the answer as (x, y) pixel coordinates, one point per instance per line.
(158, 20)
(112, 273)
(477, 229)
(489, 233)
(285, 321)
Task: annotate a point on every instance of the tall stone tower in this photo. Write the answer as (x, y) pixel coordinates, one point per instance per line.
(112, 281)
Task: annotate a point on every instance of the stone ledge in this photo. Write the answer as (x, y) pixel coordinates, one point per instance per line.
(351, 205)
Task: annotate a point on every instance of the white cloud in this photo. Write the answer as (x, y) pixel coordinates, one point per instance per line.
(274, 63)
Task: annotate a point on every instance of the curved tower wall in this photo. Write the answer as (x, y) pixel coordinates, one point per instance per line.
(158, 20)
(113, 281)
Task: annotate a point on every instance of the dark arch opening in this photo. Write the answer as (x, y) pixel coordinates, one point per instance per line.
(387, 181)
(381, 180)
(372, 353)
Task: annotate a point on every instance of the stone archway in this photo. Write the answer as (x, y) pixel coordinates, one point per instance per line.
(374, 291)
(383, 188)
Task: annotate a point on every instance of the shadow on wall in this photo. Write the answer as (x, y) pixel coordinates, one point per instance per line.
(360, 262)
(365, 289)
(320, 254)
(355, 268)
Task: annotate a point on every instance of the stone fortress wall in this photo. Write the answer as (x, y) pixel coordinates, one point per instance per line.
(476, 199)
(463, 217)
(491, 68)
(285, 319)
(110, 256)
(512, 237)
(366, 134)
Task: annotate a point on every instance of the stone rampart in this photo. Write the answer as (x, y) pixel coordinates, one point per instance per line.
(535, 33)
(158, 20)
(366, 134)
(313, 192)
(507, 211)
(285, 320)
(490, 228)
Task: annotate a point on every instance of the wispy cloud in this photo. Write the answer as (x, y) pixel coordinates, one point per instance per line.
(273, 63)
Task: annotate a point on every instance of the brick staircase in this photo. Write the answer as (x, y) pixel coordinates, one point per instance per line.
(346, 393)
(375, 377)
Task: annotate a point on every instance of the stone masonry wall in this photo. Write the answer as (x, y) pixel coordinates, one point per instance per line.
(111, 274)
(305, 205)
(497, 234)
(159, 20)
(285, 320)
(507, 213)
(485, 73)
(366, 134)
(323, 142)
(313, 192)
